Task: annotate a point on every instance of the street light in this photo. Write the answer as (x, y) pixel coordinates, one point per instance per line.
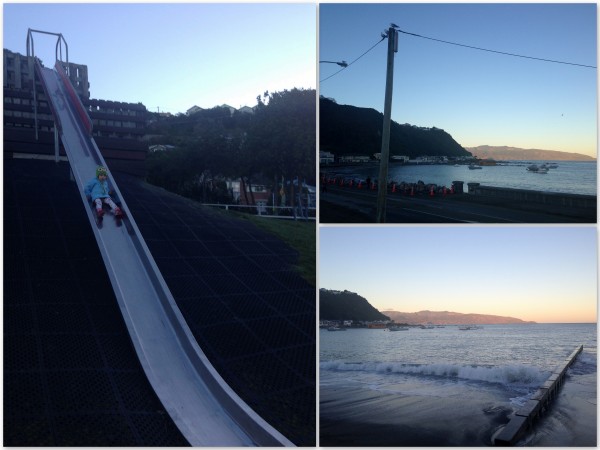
(344, 64)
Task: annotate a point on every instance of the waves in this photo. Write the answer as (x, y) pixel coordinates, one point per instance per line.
(509, 375)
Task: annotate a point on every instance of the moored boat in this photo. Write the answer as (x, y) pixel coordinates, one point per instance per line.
(396, 328)
(534, 168)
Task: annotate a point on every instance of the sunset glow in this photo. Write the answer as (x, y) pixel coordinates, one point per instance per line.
(541, 274)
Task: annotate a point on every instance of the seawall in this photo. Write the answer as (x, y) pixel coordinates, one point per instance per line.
(546, 198)
(526, 416)
(577, 205)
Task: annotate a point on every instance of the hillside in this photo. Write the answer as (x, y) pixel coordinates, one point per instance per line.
(447, 318)
(350, 130)
(500, 153)
(344, 305)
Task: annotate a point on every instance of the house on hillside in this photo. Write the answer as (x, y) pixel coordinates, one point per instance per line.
(246, 110)
(260, 193)
(193, 110)
(230, 108)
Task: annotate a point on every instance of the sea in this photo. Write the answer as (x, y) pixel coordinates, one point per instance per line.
(450, 387)
(572, 177)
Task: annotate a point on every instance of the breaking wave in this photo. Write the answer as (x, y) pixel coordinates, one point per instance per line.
(511, 375)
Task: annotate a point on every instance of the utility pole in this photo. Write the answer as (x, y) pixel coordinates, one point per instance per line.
(392, 36)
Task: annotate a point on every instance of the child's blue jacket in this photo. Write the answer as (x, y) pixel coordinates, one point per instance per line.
(96, 189)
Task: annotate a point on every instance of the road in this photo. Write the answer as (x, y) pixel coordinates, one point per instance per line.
(347, 205)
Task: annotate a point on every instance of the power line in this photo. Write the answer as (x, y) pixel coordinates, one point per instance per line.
(496, 51)
(349, 64)
(459, 45)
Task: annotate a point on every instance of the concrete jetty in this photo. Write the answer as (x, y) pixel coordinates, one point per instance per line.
(524, 417)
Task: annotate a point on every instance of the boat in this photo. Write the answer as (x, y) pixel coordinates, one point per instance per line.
(336, 329)
(470, 327)
(473, 167)
(534, 168)
(396, 328)
(426, 327)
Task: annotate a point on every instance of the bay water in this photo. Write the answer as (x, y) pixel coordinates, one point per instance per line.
(449, 387)
(568, 177)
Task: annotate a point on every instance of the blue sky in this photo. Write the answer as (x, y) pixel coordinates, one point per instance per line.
(544, 274)
(480, 98)
(175, 56)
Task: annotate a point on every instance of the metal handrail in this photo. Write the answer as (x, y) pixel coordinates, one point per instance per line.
(31, 53)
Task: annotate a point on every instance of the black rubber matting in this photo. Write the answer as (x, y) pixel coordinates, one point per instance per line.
(71, 376)
(250, 311)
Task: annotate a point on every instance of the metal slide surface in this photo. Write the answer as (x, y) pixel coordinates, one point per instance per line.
(201, 404)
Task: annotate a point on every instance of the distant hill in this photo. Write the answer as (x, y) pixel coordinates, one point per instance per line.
(446, 318)
(350, 130)
(345, 305)
(520, 154)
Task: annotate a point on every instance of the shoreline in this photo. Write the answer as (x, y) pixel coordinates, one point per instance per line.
(498, 162)
(453, 415)
(564, 179)
(360, 417)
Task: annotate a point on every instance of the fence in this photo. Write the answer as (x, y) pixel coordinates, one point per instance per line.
(273, 212)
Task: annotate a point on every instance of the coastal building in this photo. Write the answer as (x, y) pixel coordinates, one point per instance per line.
(326, 158)
(396, 158)
(354, 159)
(426, 159)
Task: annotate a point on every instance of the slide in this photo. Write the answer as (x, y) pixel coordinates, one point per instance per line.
(201, 404)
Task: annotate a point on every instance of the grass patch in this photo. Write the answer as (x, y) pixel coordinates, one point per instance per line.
(298, 234)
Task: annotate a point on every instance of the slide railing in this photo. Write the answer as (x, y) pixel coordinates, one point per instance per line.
(206, 410)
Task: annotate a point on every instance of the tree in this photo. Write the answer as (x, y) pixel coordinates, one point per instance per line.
(277, 140)
(282, 140)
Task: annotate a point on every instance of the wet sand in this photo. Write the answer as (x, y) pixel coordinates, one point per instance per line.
(461, 416)
(369, 418)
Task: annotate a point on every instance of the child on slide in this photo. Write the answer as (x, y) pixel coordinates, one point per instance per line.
(97, 190)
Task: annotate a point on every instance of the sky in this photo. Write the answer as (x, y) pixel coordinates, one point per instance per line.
(171, 57)
(480, 98)
(542, 273)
